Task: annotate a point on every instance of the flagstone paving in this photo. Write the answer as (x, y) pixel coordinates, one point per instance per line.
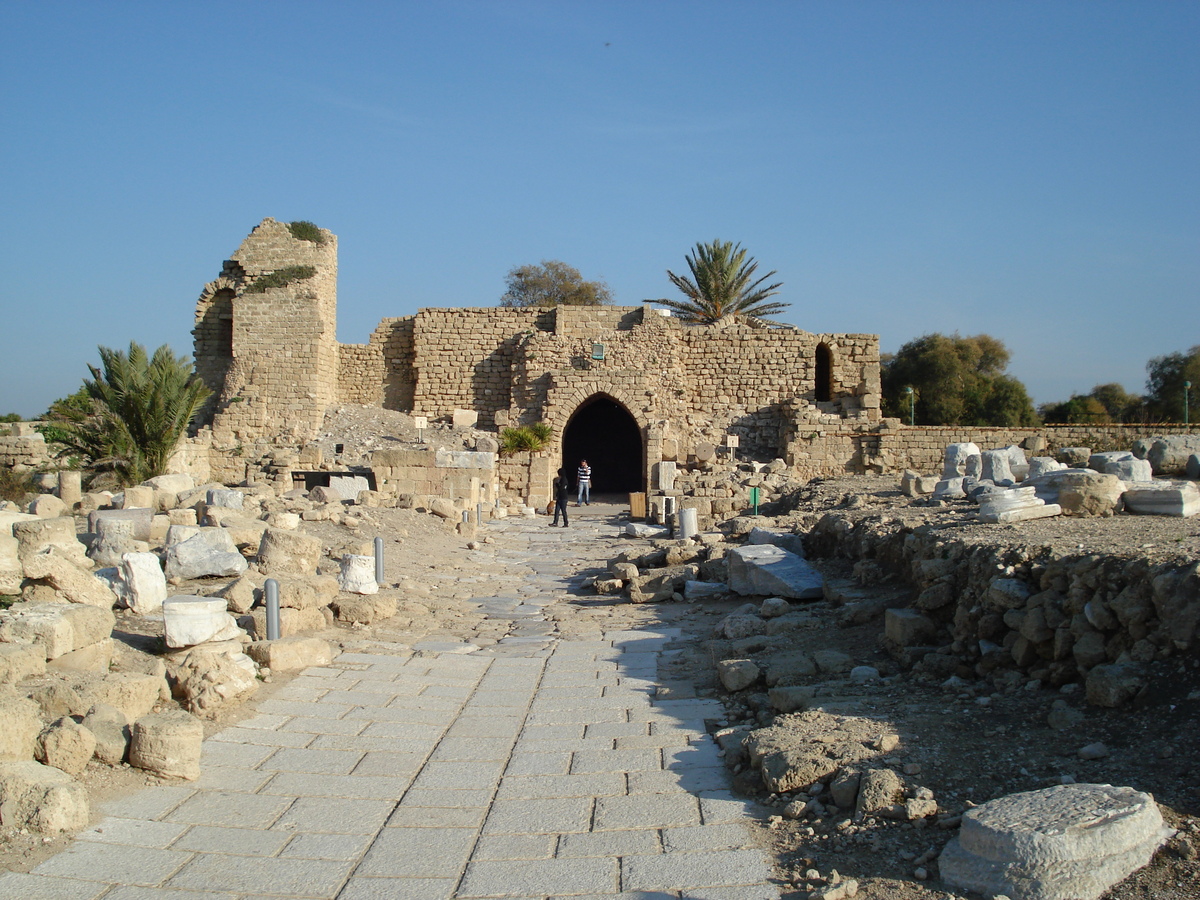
(540, 767)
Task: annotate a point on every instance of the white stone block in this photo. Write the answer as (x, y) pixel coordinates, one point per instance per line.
(357, 575)
(144, 584)
(189, 620)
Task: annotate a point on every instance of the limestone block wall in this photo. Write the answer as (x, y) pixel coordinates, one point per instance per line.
(394, 338)
(361, 374)
(417, 472)
(462, 359)
(525, 477)
(271, 357)
(24, 451)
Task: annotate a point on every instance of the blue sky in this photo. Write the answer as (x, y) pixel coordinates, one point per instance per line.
(1027, 170)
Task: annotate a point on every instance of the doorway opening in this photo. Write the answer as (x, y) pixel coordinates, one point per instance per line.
(604, 433)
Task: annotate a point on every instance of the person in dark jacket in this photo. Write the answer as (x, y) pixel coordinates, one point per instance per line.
(562, 489)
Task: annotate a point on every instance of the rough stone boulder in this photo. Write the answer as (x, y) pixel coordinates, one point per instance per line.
(168, 744)
(11, 571)
(69, 580)
(291, 621)
(226, 499)
(1068, 842)
(880, 791)
(20, 661)
(1079, 492)
(364, 609)
(290, 654)
(36, 537)
(65, 745)
(1113, 685)
(134, 694)
(113, 540)
(795, 768)
(785, 540)
(288, 553)
(57, 629)
(110, 728)
(144, 584)
(241, 595)
(22, 725)
(768, 570)
(207, 552)
(1169, 455)
(737, 674)
(207, 678)
(661, 584)
(190, 620)
(41, 798)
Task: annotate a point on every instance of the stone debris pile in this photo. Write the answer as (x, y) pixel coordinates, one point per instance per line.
(1009, 488)
(68, 696)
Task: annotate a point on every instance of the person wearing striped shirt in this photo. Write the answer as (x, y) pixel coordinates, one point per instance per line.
(584, 476)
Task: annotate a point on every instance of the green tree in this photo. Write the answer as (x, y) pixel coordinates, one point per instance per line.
(553, 283)
(141, 407)
(1105, 403)
(723, 284)
(955, 381)
(1164, 386)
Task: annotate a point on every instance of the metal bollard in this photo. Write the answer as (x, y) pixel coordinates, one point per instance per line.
(379, 560)
(478, 513)
(272, 592)
(466, 517)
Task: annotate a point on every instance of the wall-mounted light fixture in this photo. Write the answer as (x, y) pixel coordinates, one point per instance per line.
(597, 351)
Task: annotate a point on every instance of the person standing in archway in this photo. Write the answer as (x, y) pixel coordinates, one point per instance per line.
(584, 476)
(562, 489)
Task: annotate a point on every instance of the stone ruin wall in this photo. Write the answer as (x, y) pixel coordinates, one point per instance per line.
(518, 366)
(274, 364)
(1050, 613)
(271, 358)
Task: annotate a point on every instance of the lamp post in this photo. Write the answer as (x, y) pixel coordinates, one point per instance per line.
(912, 406)
(1187, 386)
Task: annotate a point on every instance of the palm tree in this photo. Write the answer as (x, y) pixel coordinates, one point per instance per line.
(142, 407)
(722, 284)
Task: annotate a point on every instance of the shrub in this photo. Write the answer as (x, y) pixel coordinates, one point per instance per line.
(14, 486)
(281, 278)
(306, 231)
(525, 438)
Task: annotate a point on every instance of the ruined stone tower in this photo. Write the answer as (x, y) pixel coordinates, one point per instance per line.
(266, 335)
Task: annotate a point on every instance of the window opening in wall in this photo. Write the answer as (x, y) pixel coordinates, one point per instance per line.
(604, 433)
(824, 373)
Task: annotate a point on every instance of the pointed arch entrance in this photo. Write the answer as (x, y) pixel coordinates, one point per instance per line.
(602, 431)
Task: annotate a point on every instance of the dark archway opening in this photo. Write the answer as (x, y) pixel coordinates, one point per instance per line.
(824, 379)
(604, 433)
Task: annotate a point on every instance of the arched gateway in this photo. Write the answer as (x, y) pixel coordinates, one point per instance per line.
(602, 431)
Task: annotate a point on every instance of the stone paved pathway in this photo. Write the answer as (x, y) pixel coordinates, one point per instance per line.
(537, 768)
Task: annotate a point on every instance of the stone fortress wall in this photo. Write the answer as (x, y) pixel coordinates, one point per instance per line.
(274, 364)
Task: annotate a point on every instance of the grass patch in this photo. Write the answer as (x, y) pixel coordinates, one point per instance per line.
(306, 231)
(281, 278)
